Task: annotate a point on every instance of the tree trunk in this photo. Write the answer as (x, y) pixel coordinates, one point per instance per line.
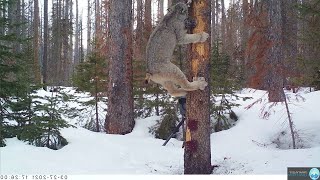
(36, 21)
(275, 54)
(120, 101)
(223, 26)
(45, 42)
(77, 39)
(245, 71)
(197, 154)
(139, 32)
(96, 99)
(213, 24)
(89, 27)
(160, 11)
(289, 38)
(147, 19)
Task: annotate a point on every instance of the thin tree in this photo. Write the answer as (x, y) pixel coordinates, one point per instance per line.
(139, 32)
(213, 23)
(160, 9)
(36, 23)
(120, 97)
(223, 26)
(89, 11)
(147, 19)
(289, 40)
(45, 42)
(77, 38)
(197, 154)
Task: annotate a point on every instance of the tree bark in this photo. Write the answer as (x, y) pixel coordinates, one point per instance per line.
(160, 12)
(139, 55)
(275, 55)
(147, 19)
(45, 42)
(77, 39)
(36, 23)
(197, 154)
(213, 24)
(289, 38)
(89, 27)
(120, 101)
(223, 27)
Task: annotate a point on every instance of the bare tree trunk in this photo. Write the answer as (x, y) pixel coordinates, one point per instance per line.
(289, 38)
(138, 53)
(290, 121)
(120, 101)
(70, 45)
(197, 153)
(223, 27)
(77, 38)
(36, 64)
(244, 29)
(89, 27)
(45, 42)
(213, 24)
(147, 18)
(275, 54)
(81, 51)
(96, 81)
(160, 11)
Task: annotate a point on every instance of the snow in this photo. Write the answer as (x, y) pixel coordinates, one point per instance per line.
(247, 148)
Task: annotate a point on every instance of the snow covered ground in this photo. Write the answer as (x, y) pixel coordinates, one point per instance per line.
(253, 146)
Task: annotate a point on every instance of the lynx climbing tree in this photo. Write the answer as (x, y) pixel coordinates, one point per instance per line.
(197, 154)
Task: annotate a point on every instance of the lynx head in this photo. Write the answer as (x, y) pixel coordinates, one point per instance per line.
(180, 10)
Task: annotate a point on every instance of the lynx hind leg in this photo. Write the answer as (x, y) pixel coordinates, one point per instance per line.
(180, 79)
(173, 90)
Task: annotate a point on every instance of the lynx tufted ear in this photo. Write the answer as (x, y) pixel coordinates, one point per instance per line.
(180, 8)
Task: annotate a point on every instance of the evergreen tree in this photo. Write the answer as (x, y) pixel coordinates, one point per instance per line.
(223, 87)
(309, 61)
(91, 76)
(42, 120)
(13, 66)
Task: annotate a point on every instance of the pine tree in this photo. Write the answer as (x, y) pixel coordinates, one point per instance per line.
(41, 119)
(120, 118)
(197, 154)
(13, 68)
(224, 85)
(91, 76)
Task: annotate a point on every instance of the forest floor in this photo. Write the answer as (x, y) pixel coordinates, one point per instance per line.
(255, 145)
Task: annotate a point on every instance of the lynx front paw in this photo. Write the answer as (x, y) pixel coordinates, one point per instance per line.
(202, 84)
(204, 36)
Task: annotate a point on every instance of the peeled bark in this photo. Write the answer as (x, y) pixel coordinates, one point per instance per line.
(197, 154)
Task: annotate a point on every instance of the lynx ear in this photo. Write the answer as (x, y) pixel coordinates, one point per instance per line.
(181, 8)
(169, 10)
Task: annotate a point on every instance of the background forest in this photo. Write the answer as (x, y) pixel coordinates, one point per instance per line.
(267, 45)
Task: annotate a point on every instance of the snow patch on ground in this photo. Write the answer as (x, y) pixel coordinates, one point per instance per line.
(246, 148)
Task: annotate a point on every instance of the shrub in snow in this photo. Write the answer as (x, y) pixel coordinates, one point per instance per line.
(39, 119)
(166, 124)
